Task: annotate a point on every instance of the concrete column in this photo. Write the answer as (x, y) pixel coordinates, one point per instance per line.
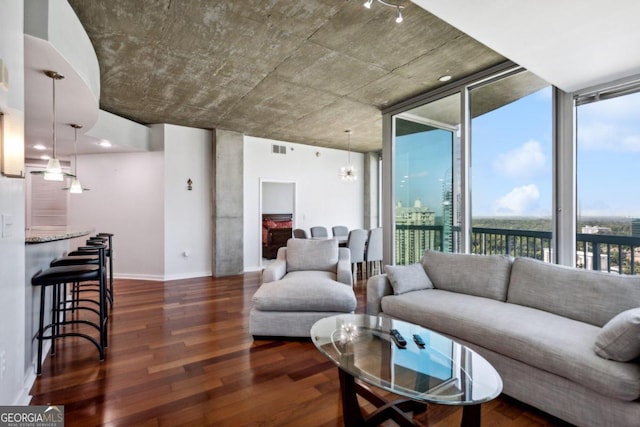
(370, 176)
(226, 186)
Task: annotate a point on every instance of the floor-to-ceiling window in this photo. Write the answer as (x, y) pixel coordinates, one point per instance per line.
(608, 156)
(511, 166)
(527, 162)
(426, 140)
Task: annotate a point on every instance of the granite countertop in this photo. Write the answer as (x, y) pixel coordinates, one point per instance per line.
(50, 233)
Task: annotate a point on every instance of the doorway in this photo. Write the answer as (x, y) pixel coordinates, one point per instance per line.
(277, 210)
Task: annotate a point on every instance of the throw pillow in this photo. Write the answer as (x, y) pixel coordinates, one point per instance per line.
(620, 337)
(406, 278)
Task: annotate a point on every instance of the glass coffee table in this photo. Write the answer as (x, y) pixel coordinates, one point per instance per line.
(437, 370)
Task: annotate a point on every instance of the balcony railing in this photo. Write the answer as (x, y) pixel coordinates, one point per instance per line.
(616, 254)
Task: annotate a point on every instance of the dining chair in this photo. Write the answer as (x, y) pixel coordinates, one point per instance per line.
(299, 233)
(319, 232)
(373, 252)
(339, 230)
(356, 243)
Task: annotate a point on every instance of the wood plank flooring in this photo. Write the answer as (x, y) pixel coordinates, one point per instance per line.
(180, 354)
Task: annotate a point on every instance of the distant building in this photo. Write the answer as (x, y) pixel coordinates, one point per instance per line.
(447, 212)
(411, 239)
(595, 229)
(635, 227)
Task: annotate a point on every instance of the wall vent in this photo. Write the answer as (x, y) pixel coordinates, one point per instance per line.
(278, 149)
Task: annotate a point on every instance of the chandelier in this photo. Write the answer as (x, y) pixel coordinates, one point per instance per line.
(397, 7)
(348, 171)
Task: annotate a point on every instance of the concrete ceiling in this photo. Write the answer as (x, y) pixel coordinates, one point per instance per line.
(300, 71)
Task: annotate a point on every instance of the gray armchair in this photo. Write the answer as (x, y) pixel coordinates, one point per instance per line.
(310, 280)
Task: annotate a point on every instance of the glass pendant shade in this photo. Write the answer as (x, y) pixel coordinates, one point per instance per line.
(76, 187)
(53, 172)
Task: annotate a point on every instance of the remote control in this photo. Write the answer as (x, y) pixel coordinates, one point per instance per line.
(418, 340)
(398, 338)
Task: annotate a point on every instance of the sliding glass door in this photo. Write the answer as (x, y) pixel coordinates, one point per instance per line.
(426, 142)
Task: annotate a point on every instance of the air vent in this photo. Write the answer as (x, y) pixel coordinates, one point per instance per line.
(278, 149)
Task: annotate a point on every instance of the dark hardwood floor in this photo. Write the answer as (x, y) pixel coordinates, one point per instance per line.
(180, 354)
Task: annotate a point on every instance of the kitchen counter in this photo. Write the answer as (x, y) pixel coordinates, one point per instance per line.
(51, 233)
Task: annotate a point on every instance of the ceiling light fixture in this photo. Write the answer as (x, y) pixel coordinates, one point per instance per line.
(444, 78)
(75, 187)
(40, 147)
(348, 171)
(398, 8)
(53, 171)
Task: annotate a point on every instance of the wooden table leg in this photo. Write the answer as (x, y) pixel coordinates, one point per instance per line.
(470, 416)
(351, 411)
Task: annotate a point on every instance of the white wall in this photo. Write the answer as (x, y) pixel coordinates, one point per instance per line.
(12, 202)
(278, 197)
(187, 228)
(322, 198)
(126, 199)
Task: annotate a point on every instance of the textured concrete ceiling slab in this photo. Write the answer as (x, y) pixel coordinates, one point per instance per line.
(301, 71)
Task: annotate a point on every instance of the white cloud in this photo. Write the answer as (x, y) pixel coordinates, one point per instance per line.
(518, 201)
(608, 137)
(522, 162)
(610, 125)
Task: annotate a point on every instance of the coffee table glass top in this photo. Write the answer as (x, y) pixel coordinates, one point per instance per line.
(443, 371)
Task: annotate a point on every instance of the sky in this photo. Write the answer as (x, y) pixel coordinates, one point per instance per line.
(512, 160)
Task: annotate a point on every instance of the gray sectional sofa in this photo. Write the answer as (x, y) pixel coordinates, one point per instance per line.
(564, 340)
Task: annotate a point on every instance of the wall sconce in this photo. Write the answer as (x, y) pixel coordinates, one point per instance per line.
(189, 184)
(11, 148)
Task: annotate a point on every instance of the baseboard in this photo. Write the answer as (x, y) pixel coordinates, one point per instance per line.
(187, 276)
(139, 277)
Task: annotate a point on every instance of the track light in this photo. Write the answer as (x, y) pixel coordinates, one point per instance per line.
(367, 4)
(398, 15)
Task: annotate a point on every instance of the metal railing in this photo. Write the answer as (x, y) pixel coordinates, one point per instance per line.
(615, 254)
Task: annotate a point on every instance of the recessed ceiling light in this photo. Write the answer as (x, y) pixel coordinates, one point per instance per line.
(105, 144)
(444, 78)
(39, 147)
(45, 157)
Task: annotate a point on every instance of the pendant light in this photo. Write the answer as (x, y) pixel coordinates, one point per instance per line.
(348, 171)
(53, 171)
(75, 187)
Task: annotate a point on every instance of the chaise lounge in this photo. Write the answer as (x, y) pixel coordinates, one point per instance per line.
(309, 280)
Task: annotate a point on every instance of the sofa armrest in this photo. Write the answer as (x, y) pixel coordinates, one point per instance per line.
(343, 271)
(377, 287)
(277, 269)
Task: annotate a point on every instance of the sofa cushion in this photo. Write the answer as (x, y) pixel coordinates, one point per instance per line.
(620, 338)
(309, 254)
(480, 275)
(543, 340)
(406, 278)
(588, 296)
(305, 291)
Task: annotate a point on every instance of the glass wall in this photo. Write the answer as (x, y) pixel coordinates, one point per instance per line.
(511, 166)
(426, 140)
(608, 156)
(502, 163)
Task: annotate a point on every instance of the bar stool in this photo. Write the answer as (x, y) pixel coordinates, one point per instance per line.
(105, 239)
(78, 259)
(57, 278)
(92, 249)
